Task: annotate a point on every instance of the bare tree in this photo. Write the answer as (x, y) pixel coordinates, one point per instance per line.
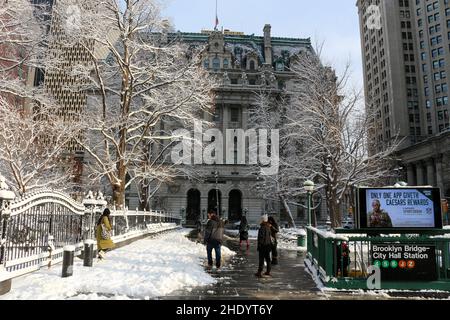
(32, 139)
(143, 80)
(32, 149)
(326, 136)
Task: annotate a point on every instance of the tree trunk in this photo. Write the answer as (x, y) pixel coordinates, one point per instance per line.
(119, 196)
(333, 208)
(286, 206)
(143, 197)
(119, 187)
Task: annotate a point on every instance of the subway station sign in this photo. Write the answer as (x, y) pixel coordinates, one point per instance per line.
(405, 262)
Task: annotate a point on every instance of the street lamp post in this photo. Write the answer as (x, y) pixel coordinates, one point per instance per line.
(309, 187)
(216, 175)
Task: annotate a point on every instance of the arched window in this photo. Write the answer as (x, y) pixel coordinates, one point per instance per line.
(216, 64)
(206, 64)
(225, 63)
(252, 65)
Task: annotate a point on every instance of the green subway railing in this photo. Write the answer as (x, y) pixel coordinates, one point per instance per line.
(342, 259)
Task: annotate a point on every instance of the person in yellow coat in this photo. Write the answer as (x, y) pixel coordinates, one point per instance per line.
(104, 243)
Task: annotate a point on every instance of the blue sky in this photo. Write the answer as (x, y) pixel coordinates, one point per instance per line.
(332, 21)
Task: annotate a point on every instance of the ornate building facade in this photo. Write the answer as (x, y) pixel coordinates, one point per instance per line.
(244, 65)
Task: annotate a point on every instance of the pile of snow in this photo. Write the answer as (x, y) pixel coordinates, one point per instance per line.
(287, 238)
(145, 269)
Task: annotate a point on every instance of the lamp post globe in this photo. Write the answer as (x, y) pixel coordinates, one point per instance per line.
(309, 185)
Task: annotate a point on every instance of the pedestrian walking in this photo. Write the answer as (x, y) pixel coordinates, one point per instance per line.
(264, 246)
(103, 234)
(213, 238)
(243, 232)
(274, 229)
(342, 258)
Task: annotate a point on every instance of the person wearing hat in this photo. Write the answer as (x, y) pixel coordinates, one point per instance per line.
(264, 246)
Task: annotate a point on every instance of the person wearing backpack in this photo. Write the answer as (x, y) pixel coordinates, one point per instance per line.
(243, 232)
(274, 229)
(264, 246)
(213, 238)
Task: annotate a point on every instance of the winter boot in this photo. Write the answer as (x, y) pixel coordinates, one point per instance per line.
(258, 274)
(267, 274)
(101, 255)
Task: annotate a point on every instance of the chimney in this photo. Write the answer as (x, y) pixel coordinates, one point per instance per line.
(267, 44)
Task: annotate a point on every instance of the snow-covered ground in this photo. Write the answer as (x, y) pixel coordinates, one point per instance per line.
(145, 269)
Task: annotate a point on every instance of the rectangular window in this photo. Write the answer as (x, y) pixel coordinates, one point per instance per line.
(234, 114)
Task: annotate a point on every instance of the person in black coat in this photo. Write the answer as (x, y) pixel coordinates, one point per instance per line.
(342, 259)
(274, 229)
(264, 246)
(243, 232)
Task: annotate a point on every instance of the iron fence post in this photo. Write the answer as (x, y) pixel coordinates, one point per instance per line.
(6, 198)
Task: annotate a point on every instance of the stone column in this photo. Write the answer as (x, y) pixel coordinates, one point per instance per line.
(439, 181)
(430, 172)
(244, 117)
(420, 174)
(410, 174)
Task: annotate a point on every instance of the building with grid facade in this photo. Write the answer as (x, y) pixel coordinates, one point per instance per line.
(406, 62)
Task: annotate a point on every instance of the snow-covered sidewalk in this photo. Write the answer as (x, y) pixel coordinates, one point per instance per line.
(145, 269)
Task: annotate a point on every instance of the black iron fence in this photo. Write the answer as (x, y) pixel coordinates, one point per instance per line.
(35, 228)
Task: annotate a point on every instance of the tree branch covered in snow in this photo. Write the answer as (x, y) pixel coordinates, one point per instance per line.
(325, 137)
(142, 81)
(33, 138)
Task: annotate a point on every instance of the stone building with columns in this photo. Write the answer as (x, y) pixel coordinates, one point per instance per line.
(244, 65)
(406, 62)
(428, 163)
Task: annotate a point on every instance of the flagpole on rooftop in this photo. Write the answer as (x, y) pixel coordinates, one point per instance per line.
(217, 19)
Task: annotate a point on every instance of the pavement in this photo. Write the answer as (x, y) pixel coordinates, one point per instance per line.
(290, 281)
(236, 279)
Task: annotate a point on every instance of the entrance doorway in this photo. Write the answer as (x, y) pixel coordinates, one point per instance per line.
(235, 205)
(193, 207)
